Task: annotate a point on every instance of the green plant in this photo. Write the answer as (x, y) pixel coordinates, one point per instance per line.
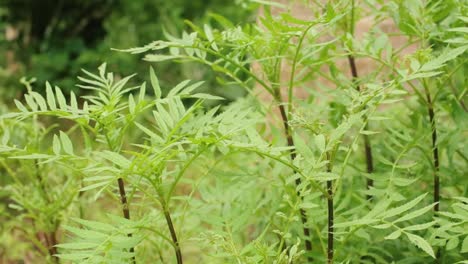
(267, 181)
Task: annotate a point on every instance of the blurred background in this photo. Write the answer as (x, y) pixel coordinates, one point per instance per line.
(52, 40)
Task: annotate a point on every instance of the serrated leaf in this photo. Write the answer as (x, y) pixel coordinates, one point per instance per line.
(32, 156)
(74, 256)
(396, 234)
(421, 243)
(308, 205)
(206, 96)
(77, 245)
(420, 226)
(415, 214)
(94, 225)
(459, 29)
(320, 142)
(99, 178)
(115, 158)
(368, 132)
(358, 222)
(405, 207)
(209, 36)
(89, 235)
(94, 186)
(423, 75)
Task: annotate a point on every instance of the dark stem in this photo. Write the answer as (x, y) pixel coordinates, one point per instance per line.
(435, 151)
(367, 144)
(53, 250)
(330, 214)
(125, 208)
(170, 225)
(287, 131)
(435, 154)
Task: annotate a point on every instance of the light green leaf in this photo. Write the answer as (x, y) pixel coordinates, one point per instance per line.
(320, 142)
(452, 243)
(396, 234)
(464, 247)
(421, 243)
(56, 145)
(94, 186)
(415, 214)
(66, 143)
(405, 207)
(77, 245)
(206, 96)
(60, 98)
(308, 205)
(20, 106)
(155, 84)
(50, 97)
(420, 227)
(33, 156)
(115, 158)
(209, 36)
(131, 104)
(368, 132)
(459, 29)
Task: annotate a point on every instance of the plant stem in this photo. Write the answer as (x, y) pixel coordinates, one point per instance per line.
(174, 237)
(53, 250)
(170, 225)
(367, 144)
(290, 140)
(125, 208)
(330, 213)
(435, 150)
(354, 73)
(435, 156)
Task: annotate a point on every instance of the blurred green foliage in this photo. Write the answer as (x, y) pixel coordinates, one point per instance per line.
(54, 39)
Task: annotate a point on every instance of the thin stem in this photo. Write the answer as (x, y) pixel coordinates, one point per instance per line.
(53, 242)
(435, 149)
(367, 144)
(354, 73)
(290, 140)
(435, 156)
(125, 208)
(123, 196)
(170, 225)
(330, 213)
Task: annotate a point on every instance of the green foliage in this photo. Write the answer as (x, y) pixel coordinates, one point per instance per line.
(238, 182)
(62, 37)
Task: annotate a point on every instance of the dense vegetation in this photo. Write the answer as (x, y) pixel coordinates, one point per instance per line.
(321, 161)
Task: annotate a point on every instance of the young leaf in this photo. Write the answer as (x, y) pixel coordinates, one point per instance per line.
(396, 234)
(66, 143)
(155, 83)
(405, 207)
(56, 145)
(50, 97)
(421, 243)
